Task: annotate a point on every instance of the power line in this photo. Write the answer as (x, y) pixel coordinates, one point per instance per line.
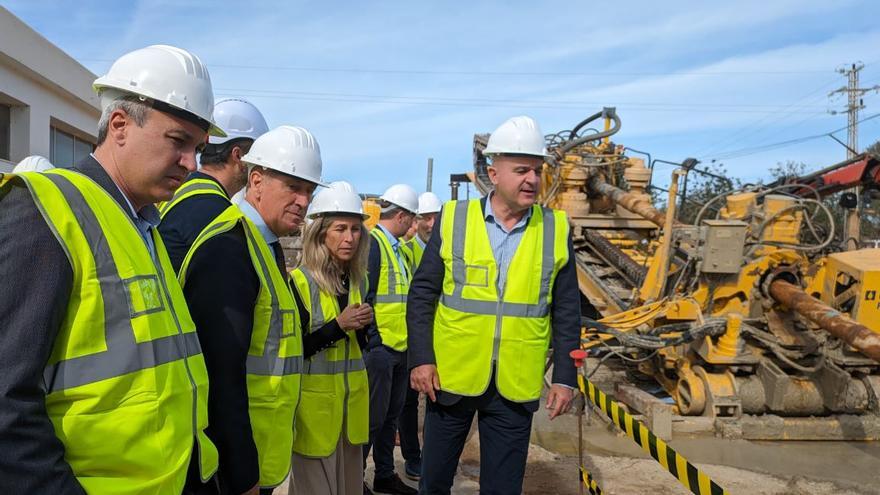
(361, 70)
(781, 144)
(272, 92)
(762, 123)
(378, 99)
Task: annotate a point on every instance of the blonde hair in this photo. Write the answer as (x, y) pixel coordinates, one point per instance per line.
(326, 271)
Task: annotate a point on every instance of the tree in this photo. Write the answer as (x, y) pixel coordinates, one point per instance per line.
(874, 149)
(702, 187)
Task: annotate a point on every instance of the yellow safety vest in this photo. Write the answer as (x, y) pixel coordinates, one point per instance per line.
(412, 250)
(274, 360)
(126, 386)
(390, 309)
(335, 390)
(478, 325)
(192, 187)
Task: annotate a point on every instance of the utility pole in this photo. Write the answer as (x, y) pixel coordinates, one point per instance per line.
(854, 103)
(430, 174)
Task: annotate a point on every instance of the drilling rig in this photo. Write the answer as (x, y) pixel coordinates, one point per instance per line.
(757, 316)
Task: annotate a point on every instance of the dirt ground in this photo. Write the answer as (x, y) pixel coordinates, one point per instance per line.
(620, 466)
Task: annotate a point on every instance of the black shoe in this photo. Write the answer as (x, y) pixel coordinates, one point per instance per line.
(413, 469)
(367, 490)
(393, 485)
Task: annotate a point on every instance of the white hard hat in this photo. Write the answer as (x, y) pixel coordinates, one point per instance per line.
(517, 135)
(339, 197)
(173, 78)
(289, 150)
(403, 196)
(343, 185)
(429, 203)
(33, 163)
(239, 119)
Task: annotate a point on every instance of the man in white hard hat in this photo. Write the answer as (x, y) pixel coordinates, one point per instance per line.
(385, 357)
(496, 285)
(408, 423)
(429, 207)
(104, 388)
(235, 282)
(206, 192)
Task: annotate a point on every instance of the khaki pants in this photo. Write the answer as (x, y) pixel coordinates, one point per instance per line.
(342, 473)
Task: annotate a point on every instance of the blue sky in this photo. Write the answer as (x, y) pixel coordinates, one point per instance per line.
(384, 86)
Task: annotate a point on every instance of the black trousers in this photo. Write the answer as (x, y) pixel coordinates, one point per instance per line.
(389, 381)
(504, 443)
(408, 426)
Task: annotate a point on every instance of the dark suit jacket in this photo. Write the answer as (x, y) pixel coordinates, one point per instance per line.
(36, 284)
(369, 337)
(221, 291)
(425, 290)
(183, 223)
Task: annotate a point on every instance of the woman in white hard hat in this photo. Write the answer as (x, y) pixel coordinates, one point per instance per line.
(332, 419)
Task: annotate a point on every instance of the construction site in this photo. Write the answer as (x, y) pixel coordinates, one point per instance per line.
(729, 322)
(746, 336)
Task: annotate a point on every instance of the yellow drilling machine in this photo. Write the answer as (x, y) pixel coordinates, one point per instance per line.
(759, 319)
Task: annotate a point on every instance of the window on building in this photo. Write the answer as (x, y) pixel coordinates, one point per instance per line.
(4, 132)
(67, 149)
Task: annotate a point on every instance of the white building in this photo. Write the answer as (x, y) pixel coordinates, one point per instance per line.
(47, 106)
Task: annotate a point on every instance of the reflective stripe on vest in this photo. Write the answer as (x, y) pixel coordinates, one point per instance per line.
(391, 293)
(482, 325)
(413, 251)
(123, 354)
(192, 187)
(335, 384)
(270, 364)
(274, 361)
(459, 267)
(319, 364)
(143, 381)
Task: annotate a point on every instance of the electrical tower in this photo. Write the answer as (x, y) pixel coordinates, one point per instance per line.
(854, 103)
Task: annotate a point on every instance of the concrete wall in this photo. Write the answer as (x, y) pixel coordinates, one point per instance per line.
(45, 87)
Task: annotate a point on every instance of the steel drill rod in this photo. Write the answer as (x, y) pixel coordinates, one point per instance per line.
(629, 201)
(832, 321)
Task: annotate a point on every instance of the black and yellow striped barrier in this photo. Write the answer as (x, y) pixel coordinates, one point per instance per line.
(589, 482)
(687, 474)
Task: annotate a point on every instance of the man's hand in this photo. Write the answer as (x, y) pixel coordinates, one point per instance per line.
(425, 379)
(558, 400)
(254, 490)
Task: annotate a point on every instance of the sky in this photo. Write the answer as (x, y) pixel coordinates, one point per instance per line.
(385, 85)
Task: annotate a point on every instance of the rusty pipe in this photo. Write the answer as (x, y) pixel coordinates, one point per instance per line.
(832, 321)
(629, 201)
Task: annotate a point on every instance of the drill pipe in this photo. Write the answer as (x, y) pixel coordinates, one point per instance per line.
(634, 271)
(829, 319)
(631, 202)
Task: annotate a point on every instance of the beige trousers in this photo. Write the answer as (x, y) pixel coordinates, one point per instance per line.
(342, 473)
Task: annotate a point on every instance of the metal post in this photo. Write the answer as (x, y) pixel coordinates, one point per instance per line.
(453, 190)
(430, 174)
